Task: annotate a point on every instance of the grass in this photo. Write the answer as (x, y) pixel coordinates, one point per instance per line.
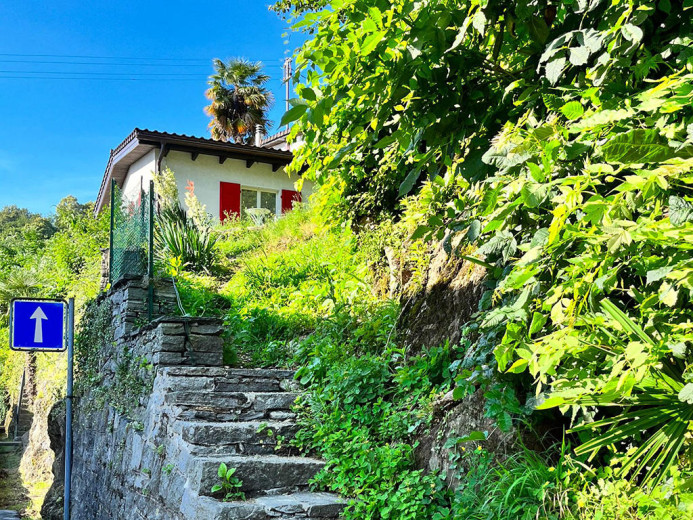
(275, 285)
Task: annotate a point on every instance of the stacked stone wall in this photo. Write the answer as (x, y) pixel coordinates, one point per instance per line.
(120, 466)
(159, 414)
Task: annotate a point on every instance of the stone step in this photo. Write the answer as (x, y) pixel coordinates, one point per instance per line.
(325, 506)
(222, 379)
(232, 406)
(261, 474)
(239, 438)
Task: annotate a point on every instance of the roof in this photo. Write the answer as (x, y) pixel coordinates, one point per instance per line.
(140, 142)
(277, 139)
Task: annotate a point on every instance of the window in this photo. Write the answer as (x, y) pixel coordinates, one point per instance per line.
(251, 198)
(268, 201)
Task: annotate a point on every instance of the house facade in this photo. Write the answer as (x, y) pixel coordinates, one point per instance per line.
(228, 178)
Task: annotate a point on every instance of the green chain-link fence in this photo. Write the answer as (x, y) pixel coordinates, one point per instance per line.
(132, 235)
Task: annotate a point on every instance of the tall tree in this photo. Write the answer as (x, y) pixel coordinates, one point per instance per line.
(239, 100)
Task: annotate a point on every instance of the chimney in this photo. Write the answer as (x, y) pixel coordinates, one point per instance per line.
(258, 135)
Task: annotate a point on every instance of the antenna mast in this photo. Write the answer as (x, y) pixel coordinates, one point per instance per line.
(288, 70)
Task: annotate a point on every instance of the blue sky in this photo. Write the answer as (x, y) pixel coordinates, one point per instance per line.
(56, 134)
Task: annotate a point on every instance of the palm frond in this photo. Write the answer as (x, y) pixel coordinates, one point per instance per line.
(239, 100)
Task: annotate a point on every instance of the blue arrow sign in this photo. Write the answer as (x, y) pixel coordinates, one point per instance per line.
(38, 325)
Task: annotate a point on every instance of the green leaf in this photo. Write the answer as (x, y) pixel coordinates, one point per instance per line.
(461, 35)
(474, 230)
(472, 437)
(620, 238)
(222, 470)
(579, 55)
(420, 232)
(572, 110)
(376, 15)
(538, 29)
(625, 321)
(668, 294)
(554, 70)
(533, 194)
(518, 366)
(538, 322)
(478, 261)
(680, 211)
(551, 402)
(293, 114)
(632, 33)
(592, 39)
(459, 392)
(409, 181)
(536, 172)
(502, 243)
(540, 238)
(216, 487)
(657, 274)
(636, 147)
(479, 22)
(678, 349)
(686, 394)
(505, 422)
(552, 101)
(230, 473)
(386, 141)
(308, 94)
(371, 42)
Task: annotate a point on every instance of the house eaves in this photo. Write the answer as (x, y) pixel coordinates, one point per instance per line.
(141, 142)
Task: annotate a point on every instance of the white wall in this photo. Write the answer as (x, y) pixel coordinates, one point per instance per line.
(206, 173)
(139, 175)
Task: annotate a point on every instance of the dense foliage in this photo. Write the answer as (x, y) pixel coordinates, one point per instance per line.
(57, 257)
(296, 294)
(552, 144)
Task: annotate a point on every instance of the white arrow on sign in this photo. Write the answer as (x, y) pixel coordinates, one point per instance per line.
(39, 316)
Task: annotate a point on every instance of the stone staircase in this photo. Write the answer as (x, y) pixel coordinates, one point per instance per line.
(26, 416)
(241, 418)
(159, 459)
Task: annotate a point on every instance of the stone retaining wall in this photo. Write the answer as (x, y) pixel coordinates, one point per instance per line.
(120, 424)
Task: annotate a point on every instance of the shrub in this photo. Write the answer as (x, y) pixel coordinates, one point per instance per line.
(178, 236)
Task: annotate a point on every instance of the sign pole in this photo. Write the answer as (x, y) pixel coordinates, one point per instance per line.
(68, 405)
(38, 325)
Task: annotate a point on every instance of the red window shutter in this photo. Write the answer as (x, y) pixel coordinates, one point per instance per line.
(288, 199)
(229, 199)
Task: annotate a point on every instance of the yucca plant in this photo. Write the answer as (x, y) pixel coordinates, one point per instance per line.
(177, 236)
(659, 410)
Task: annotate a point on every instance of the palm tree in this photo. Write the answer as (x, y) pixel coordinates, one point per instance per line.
(239, 100)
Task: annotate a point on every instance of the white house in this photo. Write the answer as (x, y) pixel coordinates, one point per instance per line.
(227, 177)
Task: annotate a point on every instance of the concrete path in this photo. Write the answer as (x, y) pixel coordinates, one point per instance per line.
(9, 515)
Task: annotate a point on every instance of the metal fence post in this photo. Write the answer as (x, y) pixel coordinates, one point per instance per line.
(150, 270)
(110, 235)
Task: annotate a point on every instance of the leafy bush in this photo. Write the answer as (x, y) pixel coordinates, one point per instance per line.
(560, 161)
(361, 422)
